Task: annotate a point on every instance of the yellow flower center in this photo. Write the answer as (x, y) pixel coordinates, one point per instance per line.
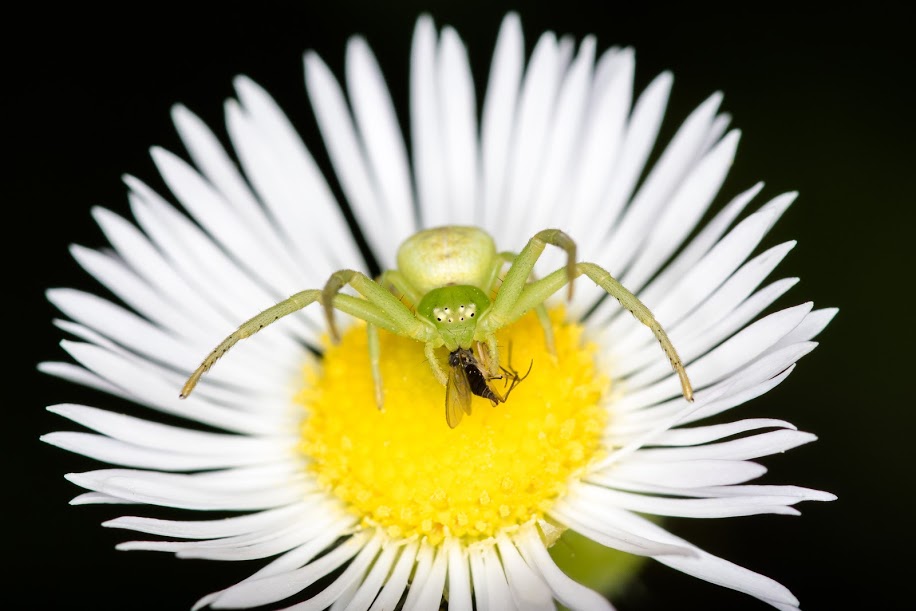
(406, 471)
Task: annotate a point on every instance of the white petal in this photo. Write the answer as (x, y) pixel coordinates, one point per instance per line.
(702, 278)
(214, 164)
(793, 494)
(125, 284)
(97, 498)
(707, 237)
(755, 446)
(277, 587)
(208, 529)
(426, 129)
(220, 280)
(458, 108)
(639, 140)
(211, 159)
(705, 434)
(459, 587)
(637, 475)
(396, 583)
(499, 595)
(347, 155)
(528, 589)
(576, 515)
(735, 292)
(810, 327)
(688, 203)
(535, 110)
(117, 452)
(551, 194)
(425, 561)
(738, 505)
(374, 580)
(78, 375)
(431, 587)
(171, 438)
(382, 139)
(601, 148)
(570, 593)
(755, 380)
(198, 491)
(118, 324)
(167, 355)
(354, 571)
(746, 393)
(743, 347)
(85, 333)
(726, 311)
(265, 543)
(345, 597)
(479, 578)
(646, 435)
(725, 359)
(301, 176)
(679, 157)
(147, 261)
(708, 567)
(285, 564)
(267, 262)
(498, 118)
(160, 393)
(308, 218)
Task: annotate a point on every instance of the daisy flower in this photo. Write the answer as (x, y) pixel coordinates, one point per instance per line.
(284, 456)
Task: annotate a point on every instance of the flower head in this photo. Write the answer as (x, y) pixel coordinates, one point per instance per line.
(354, 506)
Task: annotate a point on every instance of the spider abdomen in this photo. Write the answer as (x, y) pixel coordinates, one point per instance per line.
(446, 256)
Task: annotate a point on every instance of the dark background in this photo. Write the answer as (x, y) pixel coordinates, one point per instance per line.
(825, 103)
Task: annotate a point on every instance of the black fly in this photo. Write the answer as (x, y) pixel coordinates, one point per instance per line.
(467, 378)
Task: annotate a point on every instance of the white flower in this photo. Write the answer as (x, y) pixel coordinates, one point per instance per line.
(562, 141)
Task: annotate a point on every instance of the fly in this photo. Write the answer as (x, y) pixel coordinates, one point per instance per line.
(466, 378)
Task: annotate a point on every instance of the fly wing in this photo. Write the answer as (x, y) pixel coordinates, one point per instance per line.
(457, 396)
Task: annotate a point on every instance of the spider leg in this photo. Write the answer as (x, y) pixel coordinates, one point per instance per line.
(380, 309)
(394, 316)
(249, 328)
(375, 357)
(393, 279)
(517, 296)
(400, 319)
(603, 278)
(536, 292)
(519, 273)
(540, 310)
(430, 350)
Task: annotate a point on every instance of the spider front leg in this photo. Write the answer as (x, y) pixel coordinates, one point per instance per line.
(395, 282)
(379, 307)
(540, 310)
(249, 328)
(515, 283)
(521, 297)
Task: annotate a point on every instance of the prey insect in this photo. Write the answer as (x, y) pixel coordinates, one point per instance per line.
(466, 378)
(448, 274)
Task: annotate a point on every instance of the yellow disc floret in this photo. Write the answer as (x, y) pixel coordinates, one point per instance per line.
(406, 471)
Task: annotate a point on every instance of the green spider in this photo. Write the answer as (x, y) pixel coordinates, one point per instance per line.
(448, 273)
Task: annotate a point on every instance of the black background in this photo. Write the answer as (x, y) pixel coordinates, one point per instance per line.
(825, 103)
